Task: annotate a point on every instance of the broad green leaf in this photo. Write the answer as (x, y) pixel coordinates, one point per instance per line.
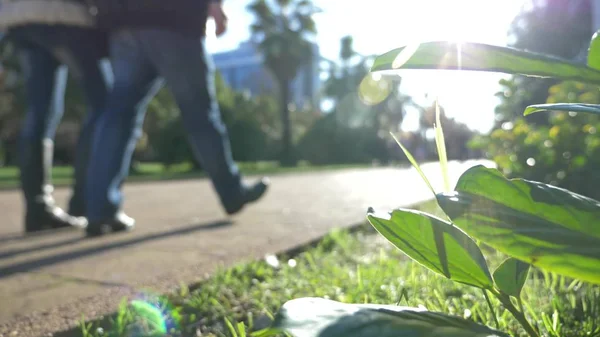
(317, 317)
(483, 57)
(577, 107)
(546, 226)
(510, 276)
(594, 52)
(414, 163)
(436, 244)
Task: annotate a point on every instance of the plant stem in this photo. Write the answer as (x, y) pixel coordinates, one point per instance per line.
(489, 303)
(518, 315)
(520, 301)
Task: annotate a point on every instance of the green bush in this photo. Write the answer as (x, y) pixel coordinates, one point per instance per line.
(331, 142)
(564, 153)
(251, 122)
(248, 120)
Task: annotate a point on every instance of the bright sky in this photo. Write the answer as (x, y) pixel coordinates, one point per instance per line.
(380, 25)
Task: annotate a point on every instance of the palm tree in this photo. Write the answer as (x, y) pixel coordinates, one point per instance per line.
(282, 30)
(345, 77)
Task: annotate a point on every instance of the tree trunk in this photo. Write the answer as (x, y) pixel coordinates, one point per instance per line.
(287, 158)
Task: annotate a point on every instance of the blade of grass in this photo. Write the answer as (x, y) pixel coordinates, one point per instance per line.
(414, 163)
(241, 329)
(441, 147)
(230, 328)
(489, 303)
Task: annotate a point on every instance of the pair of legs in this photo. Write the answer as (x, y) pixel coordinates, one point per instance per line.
(142, 59)
(42, 50)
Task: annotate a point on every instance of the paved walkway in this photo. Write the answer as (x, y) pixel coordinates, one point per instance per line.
(48, 281)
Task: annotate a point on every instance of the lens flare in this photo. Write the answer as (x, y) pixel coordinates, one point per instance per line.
(153, 315)
(149, 314)
(374, 89)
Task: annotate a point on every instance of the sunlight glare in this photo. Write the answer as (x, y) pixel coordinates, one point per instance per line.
(374, 89)
(459, 54)
(211, 29)
(405, 55)
(459, 22)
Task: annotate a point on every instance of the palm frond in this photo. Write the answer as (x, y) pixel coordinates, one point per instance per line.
(282, 33)
(263, 13)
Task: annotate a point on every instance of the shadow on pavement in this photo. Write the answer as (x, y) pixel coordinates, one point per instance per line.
(72, 255)
(32, 236)
(37, 248)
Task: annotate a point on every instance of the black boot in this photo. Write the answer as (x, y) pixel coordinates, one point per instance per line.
(45, 215)
(248, 194)
(120, 223)
(36, 172)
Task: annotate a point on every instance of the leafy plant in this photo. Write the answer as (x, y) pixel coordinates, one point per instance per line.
(536, 224)
(435, 244)
(541, 224)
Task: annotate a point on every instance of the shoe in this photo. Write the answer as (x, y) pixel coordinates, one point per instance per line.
(75, 209)
(248, 195)
(52, 217)
(120, 223)
(35, 175)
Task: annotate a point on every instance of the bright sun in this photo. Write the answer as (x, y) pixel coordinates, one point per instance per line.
(468, 96)
(458, 20)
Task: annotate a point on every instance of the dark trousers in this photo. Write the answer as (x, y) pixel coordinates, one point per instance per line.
(42, 49)
(141, 60)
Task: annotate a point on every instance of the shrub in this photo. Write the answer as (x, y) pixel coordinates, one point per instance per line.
(564, 153)
(329, 142)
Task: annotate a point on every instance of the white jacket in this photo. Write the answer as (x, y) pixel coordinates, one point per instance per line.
(49, 12)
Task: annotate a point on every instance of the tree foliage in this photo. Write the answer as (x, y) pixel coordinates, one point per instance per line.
(536, 29)
(282, 29)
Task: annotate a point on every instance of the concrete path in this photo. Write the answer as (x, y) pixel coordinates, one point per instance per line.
(47, 281)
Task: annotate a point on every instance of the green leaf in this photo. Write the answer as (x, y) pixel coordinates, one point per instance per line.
(577, 107)
(594, 52)
(510, 276)
(546, 226)
(483, 57)
(436, 244)
(317, 317)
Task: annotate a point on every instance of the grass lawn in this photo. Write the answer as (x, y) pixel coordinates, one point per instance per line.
(62, 175)
(355, 267)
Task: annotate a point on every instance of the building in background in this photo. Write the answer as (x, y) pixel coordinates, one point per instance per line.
(595, 15)
(243, 70)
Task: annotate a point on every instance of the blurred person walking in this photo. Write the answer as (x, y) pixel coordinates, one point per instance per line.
(152, 41)
(48, 35)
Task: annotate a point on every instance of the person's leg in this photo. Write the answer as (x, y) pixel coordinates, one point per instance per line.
(117, 131)
(83, 58)
(45, 85)
(189, 73)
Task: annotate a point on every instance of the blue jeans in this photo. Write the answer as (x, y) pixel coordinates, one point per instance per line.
(141, 60)
(42, 49)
